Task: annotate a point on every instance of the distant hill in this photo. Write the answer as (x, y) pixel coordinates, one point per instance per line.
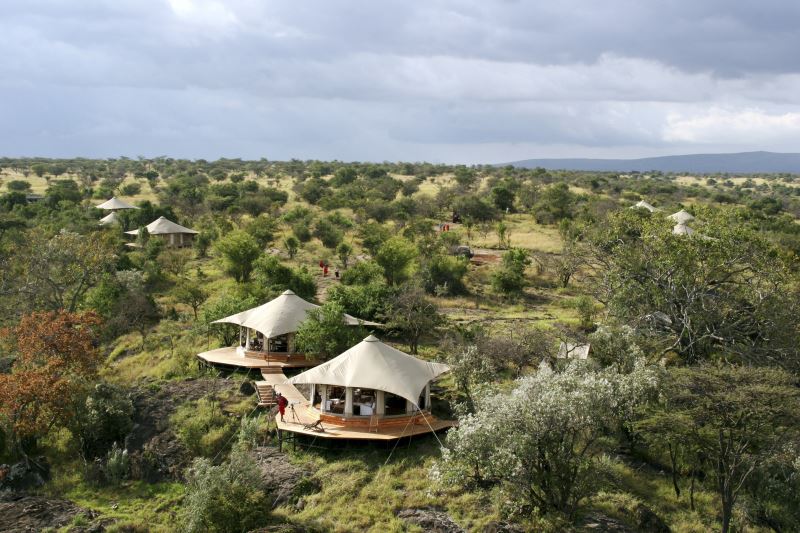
(738, 163)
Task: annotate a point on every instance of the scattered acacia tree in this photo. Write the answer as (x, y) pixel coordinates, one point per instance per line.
(538, 442)
(728, 289)
(292, 245)
(56, 273)
(239, 250)
(732, 417)
(192, 294)
(396, 256)
(414, 314)
(470, 368)
(55, 357)
(344, 251)
(325, 334)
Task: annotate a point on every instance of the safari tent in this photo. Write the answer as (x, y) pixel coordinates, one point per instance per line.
(115, 204)
(173, 234)
(682, 217)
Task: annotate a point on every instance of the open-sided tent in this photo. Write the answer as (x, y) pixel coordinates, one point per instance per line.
(172, 233)
(682, 217)
(373, 366)
(109, 219)
(115, 204)
(641, 204)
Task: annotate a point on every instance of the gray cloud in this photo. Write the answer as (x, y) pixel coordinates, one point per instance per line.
(469, 81)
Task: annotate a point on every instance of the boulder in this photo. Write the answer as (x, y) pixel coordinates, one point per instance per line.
(430, 519)
(24, 475)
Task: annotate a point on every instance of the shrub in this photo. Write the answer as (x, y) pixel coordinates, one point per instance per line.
(240, 250)
(117, 465)
(203, 427)
(104, 418)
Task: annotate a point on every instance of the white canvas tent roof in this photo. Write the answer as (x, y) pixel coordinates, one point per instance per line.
(682, 229)
(568, 350)
(641, 204)
(281, 315)
(116, 203)
(163, 226)
(109, 219)
(682, 217)
(372, 364)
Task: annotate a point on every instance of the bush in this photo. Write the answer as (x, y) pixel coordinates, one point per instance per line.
(509, 279)
(203, 427)
(445, 273)
(104, 418)
(228, 497)
(131, 189)
(271, 273)
(118, 465)
(239, 250)
(18, 185)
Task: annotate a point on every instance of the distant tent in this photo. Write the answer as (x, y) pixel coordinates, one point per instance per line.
(682, 217)
(280, 316)
(109, 219)
(172, 233)
(114, 204)
(641, 204)
(682, 229)
(568, 350)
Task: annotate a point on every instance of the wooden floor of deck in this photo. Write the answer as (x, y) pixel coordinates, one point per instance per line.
(304, 414)
(229, 357)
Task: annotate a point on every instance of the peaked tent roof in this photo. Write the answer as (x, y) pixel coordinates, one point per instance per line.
(162, 226)
(116, 203)
(281, 315)
(682, 216)
(109, 219)
(644, 205)
(682, 229)
(372, 364)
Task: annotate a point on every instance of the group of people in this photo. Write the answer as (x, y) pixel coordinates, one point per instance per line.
(324, 266)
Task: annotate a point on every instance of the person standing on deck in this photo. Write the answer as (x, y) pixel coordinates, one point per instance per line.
(282, 403)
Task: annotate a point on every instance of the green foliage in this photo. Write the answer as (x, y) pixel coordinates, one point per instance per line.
(475, 208)
(555, 203)
(103, 419)
(444, 274)
(273, 274)
(292, 244)
(329, 234)
(226, 497)
(538, 441)
(413, 314)
(343, 251)
(324, 333)
(118, 466)
(226, 305)
(369, 301)
(509, 278)
(239, 250)
(363, 273)
(263, 229)
(396, 257)
(203, 427)
(19, 186)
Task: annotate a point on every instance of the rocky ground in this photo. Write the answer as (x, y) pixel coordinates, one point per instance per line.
(23, 513)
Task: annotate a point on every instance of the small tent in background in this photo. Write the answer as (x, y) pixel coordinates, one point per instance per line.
(682, 229)
(109, 219)
(173, 234)
(115, 204)
(568, 350)
(682, 217)
(641, 204)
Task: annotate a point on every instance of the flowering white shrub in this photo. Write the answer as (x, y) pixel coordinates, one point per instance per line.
(539, 439)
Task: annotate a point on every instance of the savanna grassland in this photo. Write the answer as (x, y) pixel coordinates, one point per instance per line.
(684, 417)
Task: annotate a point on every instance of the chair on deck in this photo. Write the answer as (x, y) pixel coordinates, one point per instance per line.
(315, 426)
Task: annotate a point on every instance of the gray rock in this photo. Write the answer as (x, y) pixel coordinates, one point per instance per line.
(430, 519)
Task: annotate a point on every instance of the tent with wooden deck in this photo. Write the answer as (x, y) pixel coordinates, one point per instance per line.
(173, 234)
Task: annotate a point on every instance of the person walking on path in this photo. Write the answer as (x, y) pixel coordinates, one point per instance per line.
(282, 403)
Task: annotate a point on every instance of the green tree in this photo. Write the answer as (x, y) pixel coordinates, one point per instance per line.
(735, 417)
(192, 294)
(414, 314)
(509, 278)
(239, 250)
(263, 229)
(396, 257)
(324, 333)
(292, 245)
(344, 251)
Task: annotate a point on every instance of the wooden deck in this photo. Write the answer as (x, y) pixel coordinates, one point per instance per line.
(231, 358)
(303, 414)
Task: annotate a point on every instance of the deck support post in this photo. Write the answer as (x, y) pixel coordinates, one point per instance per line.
(280, 440)
(348, 401)
(380, 403)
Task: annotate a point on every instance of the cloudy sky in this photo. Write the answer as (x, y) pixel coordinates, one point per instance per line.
(466, 81)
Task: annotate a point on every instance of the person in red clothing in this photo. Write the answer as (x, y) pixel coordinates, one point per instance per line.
(282, 403)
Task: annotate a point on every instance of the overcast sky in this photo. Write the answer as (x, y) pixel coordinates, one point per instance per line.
(446, 81)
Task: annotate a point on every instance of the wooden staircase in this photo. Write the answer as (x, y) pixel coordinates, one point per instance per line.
(266, 394)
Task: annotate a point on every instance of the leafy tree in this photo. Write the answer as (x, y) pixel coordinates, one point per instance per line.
(324, 333)
(503, 198)
(538, 441)
(62, 191)
(292, 245)
(240, 250)
(263, 229)
(735, 417)
(344, 251)
(56, 272)
(330, 235)
(192, 294)
(444, 273)
(55, 355)
(509, 278)
(225, 497)
(475, 208)
(271, 273)
(470, 368)
(370, 301)
(19, 186)
(226, 305)
(414, 314)
(555, 204)
(363, 273)
(732, 292)
(102, 419)
(396, 257)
